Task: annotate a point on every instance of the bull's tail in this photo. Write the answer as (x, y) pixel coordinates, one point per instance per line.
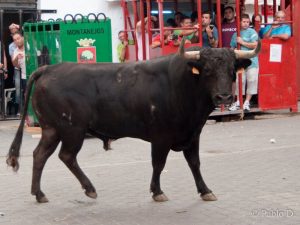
(14, 150)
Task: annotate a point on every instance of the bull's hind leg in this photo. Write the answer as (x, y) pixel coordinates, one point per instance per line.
(192, 157)
(159, 155)
(43, 151)
(68, 153)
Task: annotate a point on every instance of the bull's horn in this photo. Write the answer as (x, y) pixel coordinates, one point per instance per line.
(192, 55)
(181, 47)
(242, 54)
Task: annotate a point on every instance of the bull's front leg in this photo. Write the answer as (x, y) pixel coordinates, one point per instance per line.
(159, 153)
(191, 155)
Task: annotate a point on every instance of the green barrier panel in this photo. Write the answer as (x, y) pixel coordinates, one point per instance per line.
(82, 39)
(42, 46)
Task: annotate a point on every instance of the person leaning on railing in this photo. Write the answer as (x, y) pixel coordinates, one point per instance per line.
(277, 29)
(209, 31)
(121, 47)
(189, 34)
(169, 39)
(247, 40)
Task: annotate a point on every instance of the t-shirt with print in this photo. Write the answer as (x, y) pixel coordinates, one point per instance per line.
(228, 30)
(248, 35)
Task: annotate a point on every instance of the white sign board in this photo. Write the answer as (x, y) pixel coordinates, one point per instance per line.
(275, 52)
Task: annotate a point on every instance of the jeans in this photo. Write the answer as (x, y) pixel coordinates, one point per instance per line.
(20, 85)
(17, 81)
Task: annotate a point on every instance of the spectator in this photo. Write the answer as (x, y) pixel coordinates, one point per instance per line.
(242, 9)
(139, 36)
(171, 22)
(257, 19)
(178, 16)
(194, 17)
(228, 26)
(3, 67)
(18, 61)
(282, 31)
(121, 48)
(189, 34)
(248, 41)
(14, 28)
(169, 39)
(209, 32)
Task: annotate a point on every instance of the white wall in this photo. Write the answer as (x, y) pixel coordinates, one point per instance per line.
(112, 10)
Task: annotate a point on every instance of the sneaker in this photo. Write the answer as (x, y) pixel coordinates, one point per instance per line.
(246, 106)
(234, 106)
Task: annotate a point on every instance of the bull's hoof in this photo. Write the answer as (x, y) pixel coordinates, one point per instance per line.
(160, 198)
(91, 194)
(209, 197)
(42, 199)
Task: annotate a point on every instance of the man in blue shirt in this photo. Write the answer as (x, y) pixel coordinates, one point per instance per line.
(277, 30)
(209, 32)
(248, 41)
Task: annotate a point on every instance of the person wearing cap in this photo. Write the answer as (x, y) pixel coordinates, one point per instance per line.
(13, 28)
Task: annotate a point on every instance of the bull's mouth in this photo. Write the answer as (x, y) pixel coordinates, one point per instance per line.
(225, 99)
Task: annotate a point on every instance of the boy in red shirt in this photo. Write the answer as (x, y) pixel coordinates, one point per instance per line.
(169, 39)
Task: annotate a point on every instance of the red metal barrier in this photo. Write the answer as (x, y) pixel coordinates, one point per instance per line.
(278, 80)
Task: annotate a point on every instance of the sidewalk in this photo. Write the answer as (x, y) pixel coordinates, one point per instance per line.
(252, 166)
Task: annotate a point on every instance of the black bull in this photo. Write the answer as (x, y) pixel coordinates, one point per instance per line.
(165, 101)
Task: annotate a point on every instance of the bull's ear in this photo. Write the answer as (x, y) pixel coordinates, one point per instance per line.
(194, 68)
(242, 64)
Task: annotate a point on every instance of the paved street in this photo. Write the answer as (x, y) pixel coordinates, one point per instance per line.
(252, 166)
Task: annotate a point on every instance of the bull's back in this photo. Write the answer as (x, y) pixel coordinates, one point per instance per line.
(99, 96)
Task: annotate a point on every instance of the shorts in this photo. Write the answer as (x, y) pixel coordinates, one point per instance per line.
(250, 81)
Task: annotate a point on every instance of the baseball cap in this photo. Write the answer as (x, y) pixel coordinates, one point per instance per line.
(14, 26)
